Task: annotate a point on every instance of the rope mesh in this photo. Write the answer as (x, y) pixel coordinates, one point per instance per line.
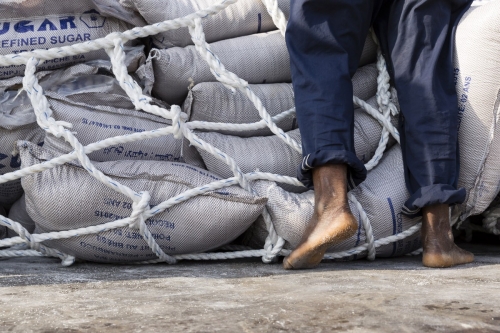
(27, 244)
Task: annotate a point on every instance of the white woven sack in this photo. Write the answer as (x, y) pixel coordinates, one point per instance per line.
(81, 82)
(96, 117)
(245, 17)
(68, 197)
(271, 154)
(382, 196)
(213, 102)
(120, 9)
(478, 86)
(368, 131)
(134, 58)
(12, 9)
(17, 122)
(30, 33)
(67, 81)
(19, 214)
(259, 58)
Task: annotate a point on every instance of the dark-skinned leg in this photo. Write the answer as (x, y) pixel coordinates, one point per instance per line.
(438, 243)
(419, 53)
(325, 40)
(332, 221)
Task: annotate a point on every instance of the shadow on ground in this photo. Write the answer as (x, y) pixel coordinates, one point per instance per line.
(48, 271)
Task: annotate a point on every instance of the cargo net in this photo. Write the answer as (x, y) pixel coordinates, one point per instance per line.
(27, 244)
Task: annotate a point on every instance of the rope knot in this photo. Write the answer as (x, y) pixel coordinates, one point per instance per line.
(178, 118)
(139, 209)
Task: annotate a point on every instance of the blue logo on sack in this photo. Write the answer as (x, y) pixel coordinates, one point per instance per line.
(93, 19)
(2, 157)
(27, 26)
(15, 162)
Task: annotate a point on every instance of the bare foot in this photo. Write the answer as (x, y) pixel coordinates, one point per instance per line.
(331, 228)
(332, 221)
(439, 246)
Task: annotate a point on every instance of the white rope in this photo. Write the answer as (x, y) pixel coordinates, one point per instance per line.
(386, 106)
(27, 244)
(277, 15)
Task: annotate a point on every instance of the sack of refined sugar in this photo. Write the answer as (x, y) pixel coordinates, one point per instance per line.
(94, 121)
(271, 154)
(39, 8)
(17, 122)
(20, 33)
(97, 74)
(267, 154)
(120, 9)
(382, 195)
(19, 214)
(245, 17)
(68, 197)
(259, 58)
(477, 67)
(368, 131)
(213, 102)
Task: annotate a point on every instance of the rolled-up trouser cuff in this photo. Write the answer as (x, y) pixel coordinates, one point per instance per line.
(356, 171)
(431, 195)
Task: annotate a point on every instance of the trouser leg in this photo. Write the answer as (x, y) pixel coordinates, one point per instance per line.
(325, 40)
(417, 39)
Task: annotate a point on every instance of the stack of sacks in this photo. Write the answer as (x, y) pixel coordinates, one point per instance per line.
(213, 102)
(18, 121)
(89, 98)
(42, 24)
(178, 75)
(68, 197)
(97, 116)
(260, 58)
(245, 17)
(270, 153)
(148, 165)
(100, 111)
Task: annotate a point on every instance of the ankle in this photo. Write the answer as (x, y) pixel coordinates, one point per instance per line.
(335, 206)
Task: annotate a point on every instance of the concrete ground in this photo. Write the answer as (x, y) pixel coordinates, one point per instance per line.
(388, 295)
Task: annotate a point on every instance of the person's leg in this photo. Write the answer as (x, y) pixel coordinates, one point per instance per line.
(417, 39)
(325, 40)
(437, 239)
(332, 221)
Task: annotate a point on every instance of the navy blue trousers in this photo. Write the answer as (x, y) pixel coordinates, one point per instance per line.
(325, 40)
